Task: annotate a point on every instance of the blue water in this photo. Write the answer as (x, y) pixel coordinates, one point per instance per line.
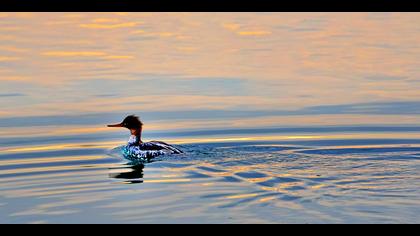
(367, 177)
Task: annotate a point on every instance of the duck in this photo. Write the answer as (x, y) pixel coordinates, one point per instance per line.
(136, 149)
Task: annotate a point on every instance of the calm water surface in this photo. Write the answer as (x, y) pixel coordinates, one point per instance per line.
(283, 178)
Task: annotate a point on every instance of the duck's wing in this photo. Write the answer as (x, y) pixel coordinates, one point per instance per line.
(140, 153)
(158, 145)
(148, 150)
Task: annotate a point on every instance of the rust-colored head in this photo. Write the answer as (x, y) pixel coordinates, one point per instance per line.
(130, 122)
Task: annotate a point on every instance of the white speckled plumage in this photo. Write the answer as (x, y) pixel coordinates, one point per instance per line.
(147, 150)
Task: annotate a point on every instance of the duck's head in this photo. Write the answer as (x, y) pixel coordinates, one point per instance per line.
(132, 123)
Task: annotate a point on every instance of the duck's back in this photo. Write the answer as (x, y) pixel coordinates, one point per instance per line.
(159, 145)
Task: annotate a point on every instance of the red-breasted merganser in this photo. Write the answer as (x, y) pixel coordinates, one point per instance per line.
(136, 148)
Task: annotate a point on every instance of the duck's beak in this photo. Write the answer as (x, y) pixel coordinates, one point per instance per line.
(116, 125)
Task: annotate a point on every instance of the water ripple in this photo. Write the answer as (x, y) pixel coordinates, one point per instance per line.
(270, 181)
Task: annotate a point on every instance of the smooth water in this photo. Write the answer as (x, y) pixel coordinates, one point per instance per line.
(254, 178)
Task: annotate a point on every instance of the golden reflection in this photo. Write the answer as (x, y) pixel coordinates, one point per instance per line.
(105, 20)
(120, 57)
(54, 147)
(271, 189)
(239, 196)
(254, 33)
(231, 26)
(318, 186)
(110, 26)
(170, 176)
(279, 60)
(5, 59)
(285, 137)
(267, 199)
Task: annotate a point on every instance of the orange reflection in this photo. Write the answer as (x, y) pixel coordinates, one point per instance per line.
(239, 196)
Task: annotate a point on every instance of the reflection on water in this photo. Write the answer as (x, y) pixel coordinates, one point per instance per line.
(314, 180)
(284, 117)
(134, 173)
(192, 65)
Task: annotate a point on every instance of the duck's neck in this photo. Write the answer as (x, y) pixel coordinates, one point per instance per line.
(137, 134)
(138, 137)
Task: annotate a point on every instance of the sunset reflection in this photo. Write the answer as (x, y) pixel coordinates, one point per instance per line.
(101, 62)
(268, 117)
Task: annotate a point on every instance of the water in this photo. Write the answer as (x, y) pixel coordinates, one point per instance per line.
(254, 178)
(283, 117)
